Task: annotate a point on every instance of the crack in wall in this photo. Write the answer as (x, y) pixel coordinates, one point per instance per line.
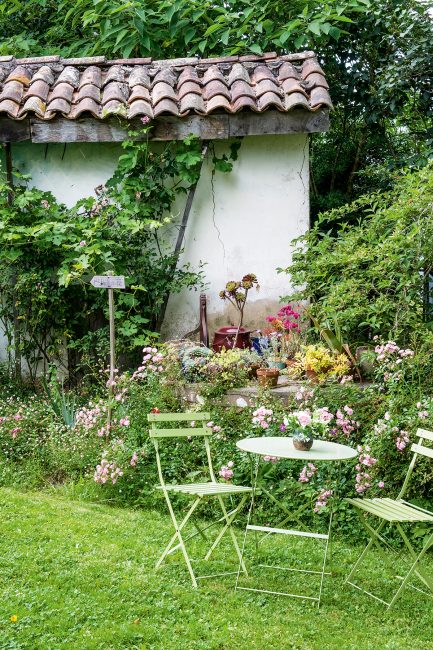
(300, 172)
(212, 184)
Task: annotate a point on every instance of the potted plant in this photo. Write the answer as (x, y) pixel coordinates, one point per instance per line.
(307, 425)
(285, 324)
(236, 292)
(273, 354)
(268, 377)
(320, 365)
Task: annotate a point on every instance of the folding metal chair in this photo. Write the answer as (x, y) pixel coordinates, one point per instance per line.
(201, 491)
(397, 512)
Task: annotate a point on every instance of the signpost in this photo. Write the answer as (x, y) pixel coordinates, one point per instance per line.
(110, 282)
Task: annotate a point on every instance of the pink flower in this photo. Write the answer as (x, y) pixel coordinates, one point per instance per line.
(134, 459)
(145, 120)
(226, 473)
(381, 484)
(304, 418)
(82, 242)
(271, 459)
(124, 422)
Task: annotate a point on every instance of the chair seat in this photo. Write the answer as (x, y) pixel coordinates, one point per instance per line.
(206, 489)
(391, 510)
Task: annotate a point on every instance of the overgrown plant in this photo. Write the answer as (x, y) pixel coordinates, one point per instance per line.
(48, 254)
(375, 276)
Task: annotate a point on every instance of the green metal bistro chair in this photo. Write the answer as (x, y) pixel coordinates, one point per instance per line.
(397, 512)
(201, 491)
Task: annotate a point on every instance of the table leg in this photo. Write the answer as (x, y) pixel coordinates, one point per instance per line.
(254, 475)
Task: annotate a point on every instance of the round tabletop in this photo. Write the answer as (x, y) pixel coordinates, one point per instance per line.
(282, 447)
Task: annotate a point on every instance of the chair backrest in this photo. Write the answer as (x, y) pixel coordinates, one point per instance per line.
(419, 449)
(200, 429)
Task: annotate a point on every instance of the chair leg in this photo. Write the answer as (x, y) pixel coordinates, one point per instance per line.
(412, 569)
(179, 537)
(364, 552)
(228, 526)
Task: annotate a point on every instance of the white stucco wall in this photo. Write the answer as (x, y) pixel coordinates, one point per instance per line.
(259, 208)
(244, 226)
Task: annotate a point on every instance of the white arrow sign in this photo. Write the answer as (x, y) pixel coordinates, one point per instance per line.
(108, 281)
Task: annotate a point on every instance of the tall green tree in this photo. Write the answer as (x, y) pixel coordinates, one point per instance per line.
(377, 56)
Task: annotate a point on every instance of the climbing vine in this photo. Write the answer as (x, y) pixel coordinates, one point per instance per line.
(48, 254)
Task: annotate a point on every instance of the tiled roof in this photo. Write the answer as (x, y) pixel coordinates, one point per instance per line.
(47, 87)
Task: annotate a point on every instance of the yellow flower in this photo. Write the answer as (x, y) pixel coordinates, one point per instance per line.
(14, 618)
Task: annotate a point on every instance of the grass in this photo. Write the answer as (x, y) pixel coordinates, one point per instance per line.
(80, 576)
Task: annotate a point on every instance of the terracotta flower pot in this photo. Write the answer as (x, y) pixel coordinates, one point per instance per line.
(268, 377)
(312, 376)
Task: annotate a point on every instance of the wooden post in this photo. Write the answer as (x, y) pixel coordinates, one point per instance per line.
(110, 282)
(112, 355)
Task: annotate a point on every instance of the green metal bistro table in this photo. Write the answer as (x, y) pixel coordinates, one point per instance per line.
(282, 447)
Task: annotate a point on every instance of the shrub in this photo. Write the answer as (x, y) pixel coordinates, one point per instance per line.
(371, 277)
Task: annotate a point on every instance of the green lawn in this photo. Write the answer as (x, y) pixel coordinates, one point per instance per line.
(81, 576)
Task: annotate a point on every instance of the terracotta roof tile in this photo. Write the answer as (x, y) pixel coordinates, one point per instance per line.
(320, 97)
(213, 73)
(316, 79)
(244, 102)
(88, 91)
(45, 73)
(192, 102)
(140, 76)
(69, 75)
(12, 90)
(39, 89)
(162, 90)
(114, 91)
(34, 105)
(189, 87)
(288, 71)
(140, 107)
(215, 87)
(62, 91)
(188, 74)
(10, 107)
(241, 88)
(293, 86)
(238, 71)
(139, 92)
(59, 104)
(166, 106)
(296, 100)
(309, 66)
(85, 105)
(114, 107)
(91, 76)
(21, 74)
(262, 72)
(115, 73)
(47, 86)
(219, 101)
(270, 99)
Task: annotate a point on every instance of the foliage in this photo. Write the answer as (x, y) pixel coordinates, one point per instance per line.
(371, 277)
(63, 403)
(48, 254)
(376, 53)
(325, 365)
(142, 28)
(380, 421)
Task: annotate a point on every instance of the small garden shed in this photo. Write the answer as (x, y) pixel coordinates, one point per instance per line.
(62, 121)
